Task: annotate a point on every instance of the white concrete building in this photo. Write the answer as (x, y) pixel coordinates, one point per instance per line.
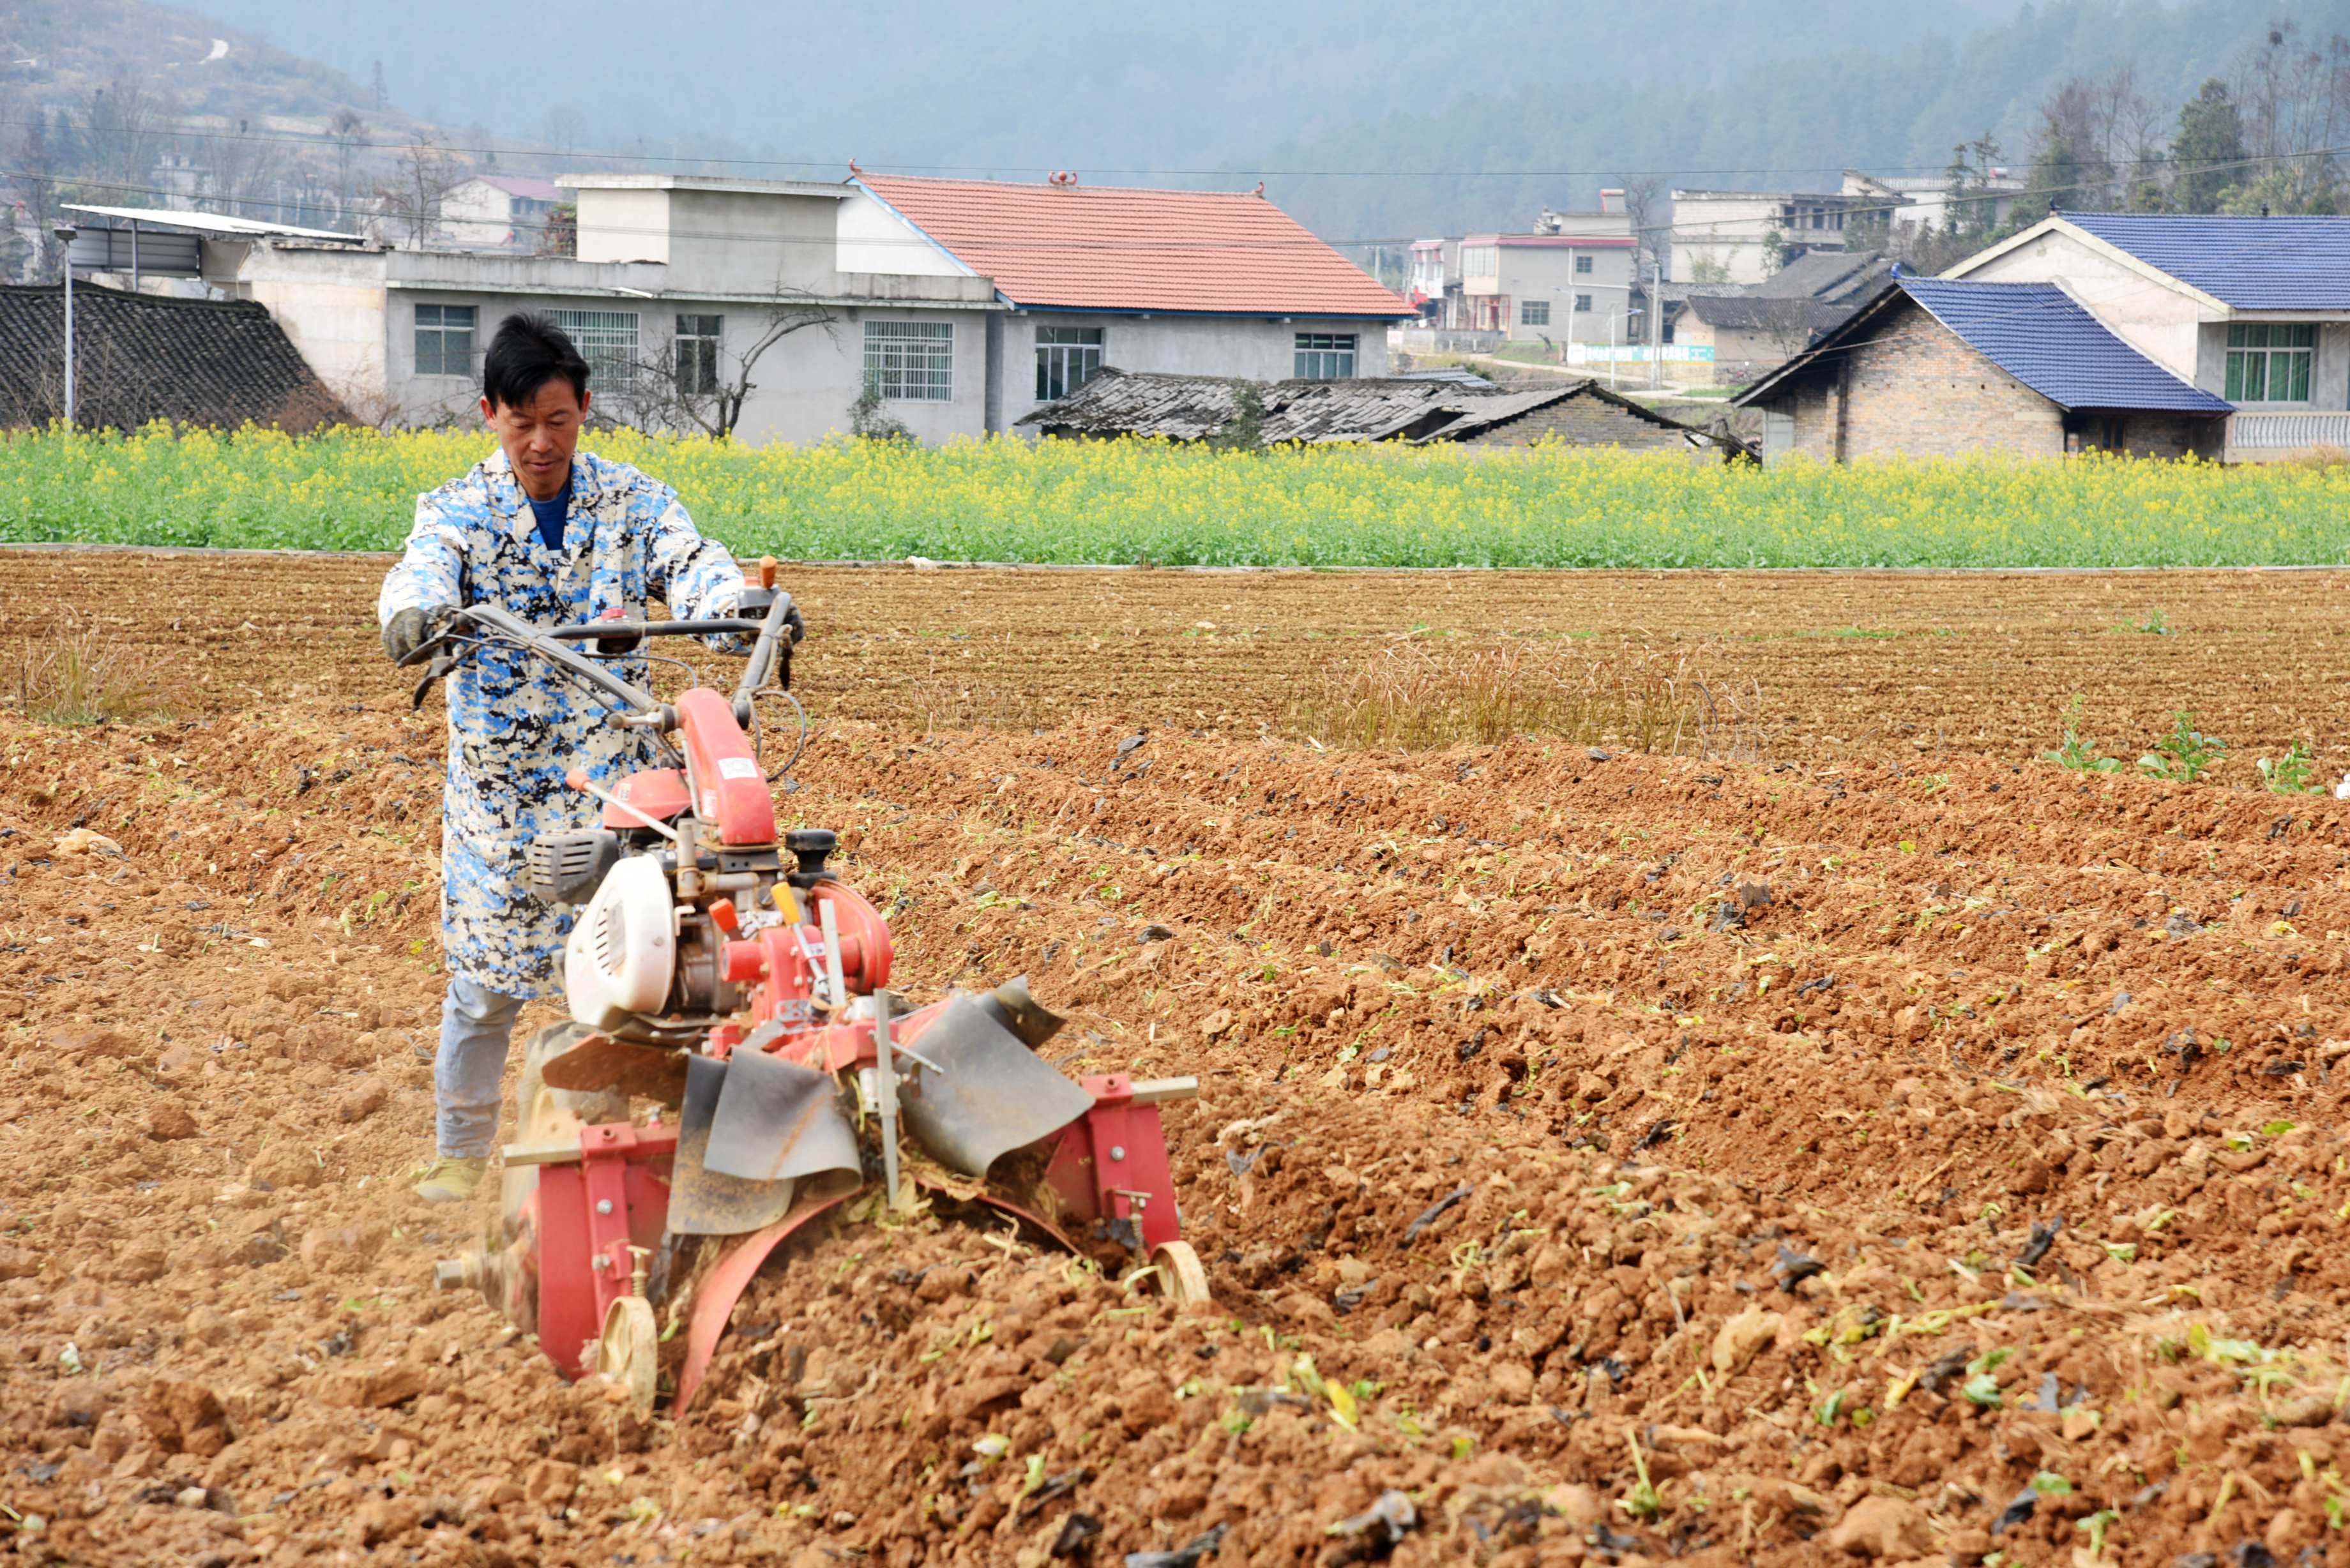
(961, 304)
(1742, 236)
(498, 212)
(2252, 310)
(1570, 285)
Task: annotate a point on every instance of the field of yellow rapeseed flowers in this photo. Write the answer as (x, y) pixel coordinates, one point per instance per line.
(1139, 501)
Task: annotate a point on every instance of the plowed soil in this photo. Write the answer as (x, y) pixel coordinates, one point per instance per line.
(1849, 1154)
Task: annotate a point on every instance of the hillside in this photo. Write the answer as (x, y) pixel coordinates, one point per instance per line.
(54, 52)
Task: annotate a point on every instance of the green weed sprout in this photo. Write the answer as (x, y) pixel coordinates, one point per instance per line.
(2289, 774)
(2183, 755)
(2076, 754)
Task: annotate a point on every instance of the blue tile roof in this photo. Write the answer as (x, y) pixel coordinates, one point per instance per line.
(2253, 264)
(2037, 333)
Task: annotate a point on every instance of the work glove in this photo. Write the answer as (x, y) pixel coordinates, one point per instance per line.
(411, 629)
(796, 622)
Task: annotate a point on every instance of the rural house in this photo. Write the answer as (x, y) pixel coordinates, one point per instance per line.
(770, 307)
(1570, 283)
(1936, 368)
(1742, 236)
(1420, 411)
(2252, 310)
(498, 212)
(1182, 282)
(141, 357)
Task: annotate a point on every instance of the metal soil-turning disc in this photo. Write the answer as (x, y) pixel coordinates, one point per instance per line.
(1180, 1278)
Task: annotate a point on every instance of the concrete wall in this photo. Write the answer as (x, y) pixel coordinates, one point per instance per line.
(331, 305)
(1541, 272)
(874, 238)
(739, 242)
(623, 225)
(1740, 355)
(1259, 349)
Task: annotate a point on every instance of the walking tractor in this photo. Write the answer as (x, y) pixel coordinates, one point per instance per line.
(722, 970)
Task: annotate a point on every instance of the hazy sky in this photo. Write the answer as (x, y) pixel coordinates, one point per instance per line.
(1035, 83)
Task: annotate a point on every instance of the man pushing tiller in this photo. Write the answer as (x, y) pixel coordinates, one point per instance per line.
(553, 535)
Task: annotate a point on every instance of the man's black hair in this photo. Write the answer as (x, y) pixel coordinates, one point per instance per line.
(528, 352)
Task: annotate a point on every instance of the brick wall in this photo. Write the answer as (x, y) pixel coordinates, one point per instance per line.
(2160, 435)
(1583, 421)
(1915, 388)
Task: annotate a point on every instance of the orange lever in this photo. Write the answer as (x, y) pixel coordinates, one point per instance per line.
(723, 914)
(766, 571)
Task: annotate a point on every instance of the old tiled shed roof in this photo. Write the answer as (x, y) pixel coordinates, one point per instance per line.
(1103, 247)
(1194, 408)
(141, 357)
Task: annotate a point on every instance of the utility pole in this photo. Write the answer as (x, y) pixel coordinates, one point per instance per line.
(1657, 325)
(67, 233)
(1570, 307)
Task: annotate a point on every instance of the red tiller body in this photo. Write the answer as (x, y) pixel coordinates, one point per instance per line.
(730, 786)
(589, 1215)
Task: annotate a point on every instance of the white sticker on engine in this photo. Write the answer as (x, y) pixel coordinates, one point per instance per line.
(737, 768)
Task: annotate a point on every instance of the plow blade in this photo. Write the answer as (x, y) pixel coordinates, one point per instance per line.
(600, 1063)
(700, 1202)
(776, 1119)
(988, 1095)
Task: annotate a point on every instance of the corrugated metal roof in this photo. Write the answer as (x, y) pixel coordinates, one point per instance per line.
(208, 222)
(2040, 336)
(2253, 264)
(1388, 408)
(1102, 247)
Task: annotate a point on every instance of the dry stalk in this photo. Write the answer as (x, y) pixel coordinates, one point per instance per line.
(77, 676)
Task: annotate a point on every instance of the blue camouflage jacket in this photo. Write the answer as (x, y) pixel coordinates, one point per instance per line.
(515, 726)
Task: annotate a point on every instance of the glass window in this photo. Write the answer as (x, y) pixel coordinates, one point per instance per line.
(1534, 313)
(1582, 302)
(1481, 261)
(2268, 362)
(910, 361)
(1066, 358)
(1325, 355)
(444, 340)
(698, 338)
(607, 340)
(1583, 266)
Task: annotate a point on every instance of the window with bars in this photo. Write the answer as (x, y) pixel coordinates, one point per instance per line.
(695, 353)
(1534, 313)
(608, 341)
(1066, 358)
(444, 340)
(910, 361)
(1325, 355)
(2268, 362)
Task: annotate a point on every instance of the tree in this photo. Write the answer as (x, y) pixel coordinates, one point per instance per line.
(2069, 168)
(239, 171)
(702, 389)
(2207, 153)
(347, 131)
(120, 130)
(1705, 266)
(1646, 200)
(423, 174)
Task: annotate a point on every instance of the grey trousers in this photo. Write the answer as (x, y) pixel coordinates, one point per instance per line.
(476, 1027)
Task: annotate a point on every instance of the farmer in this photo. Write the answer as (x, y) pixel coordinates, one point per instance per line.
(552, 534)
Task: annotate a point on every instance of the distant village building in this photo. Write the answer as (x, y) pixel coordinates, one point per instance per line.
(498, 212)
(1744, 236)
(957, 305)
(1926, 200)
(1744, 331)
(1936, 368)
(1569, 282)
(1420, 411)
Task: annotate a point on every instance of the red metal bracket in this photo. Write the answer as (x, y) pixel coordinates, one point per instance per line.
(1112, 1165)
(589, 1214)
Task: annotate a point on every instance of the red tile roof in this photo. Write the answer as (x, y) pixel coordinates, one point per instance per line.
(1101, 247)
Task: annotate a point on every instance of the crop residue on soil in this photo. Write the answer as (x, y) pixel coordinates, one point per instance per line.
(1596, 1159)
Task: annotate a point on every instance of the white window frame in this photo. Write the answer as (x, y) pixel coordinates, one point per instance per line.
(1534, 313)
(910, 361)
(610, 340)
(1583, 304)
(696, 349)
(1481, 261)
(1066, 358)
(1583, 266)
(1325, 355)
(445, 334)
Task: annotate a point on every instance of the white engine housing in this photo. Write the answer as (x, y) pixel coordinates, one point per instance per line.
(623, 952)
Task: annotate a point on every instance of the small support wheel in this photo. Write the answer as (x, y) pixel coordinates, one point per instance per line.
(1181, 1279)
(627, 1352)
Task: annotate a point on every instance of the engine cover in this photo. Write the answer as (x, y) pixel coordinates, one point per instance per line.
(622, 954)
